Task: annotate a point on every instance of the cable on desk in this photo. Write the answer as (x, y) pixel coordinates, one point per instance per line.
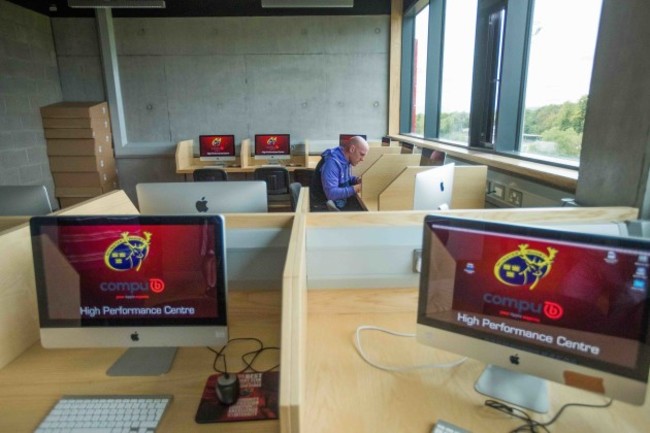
(248, 358)
(357, 344)
(530, 424)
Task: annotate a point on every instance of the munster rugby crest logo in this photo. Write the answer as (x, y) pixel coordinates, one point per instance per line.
(524, 267)
(128, 252)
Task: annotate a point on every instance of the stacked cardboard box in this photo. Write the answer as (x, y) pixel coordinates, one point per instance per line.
(80, 149)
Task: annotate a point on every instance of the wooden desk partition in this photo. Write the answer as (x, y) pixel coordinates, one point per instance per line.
(373, 155)
(380, 174)
(343, 393)
(18, 314)
(468, 190)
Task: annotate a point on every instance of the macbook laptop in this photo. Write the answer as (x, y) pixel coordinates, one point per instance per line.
(182, 198)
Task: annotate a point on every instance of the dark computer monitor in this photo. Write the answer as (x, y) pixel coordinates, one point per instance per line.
(272, 147)
(536, 303)
(344, 138)
(150, 283)
(218, 148)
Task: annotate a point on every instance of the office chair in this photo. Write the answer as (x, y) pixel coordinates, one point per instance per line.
(276, 178)
(294, 189)
(209, 175)
(303, 175)
(24, 200)
(277, 186)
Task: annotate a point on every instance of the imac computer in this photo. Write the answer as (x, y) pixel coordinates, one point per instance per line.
(219, 149)
(146, 283)
(537, 303)
(344, 138)
(433, 188)
(271, 148)
(183, 198)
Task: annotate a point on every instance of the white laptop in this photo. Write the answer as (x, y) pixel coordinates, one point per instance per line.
(182, 198)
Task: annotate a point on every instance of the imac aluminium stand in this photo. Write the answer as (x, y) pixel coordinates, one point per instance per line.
(520, 389)
(143, 361)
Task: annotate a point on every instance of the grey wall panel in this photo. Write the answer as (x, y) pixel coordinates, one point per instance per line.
(75, 36)
(311, 76)
(207, 94)
(286, 93)
(144, 91)
(82, 78)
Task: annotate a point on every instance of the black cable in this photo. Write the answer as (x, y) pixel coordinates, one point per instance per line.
(248, 364)
(531, 425)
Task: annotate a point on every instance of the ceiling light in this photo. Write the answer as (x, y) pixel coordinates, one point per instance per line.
(116, 3)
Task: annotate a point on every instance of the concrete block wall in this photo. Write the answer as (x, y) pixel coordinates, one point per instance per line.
(29, 79)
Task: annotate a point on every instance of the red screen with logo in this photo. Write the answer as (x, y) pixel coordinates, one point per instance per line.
(164, 272)
(217, 145)
(272, 144)
(585, 299)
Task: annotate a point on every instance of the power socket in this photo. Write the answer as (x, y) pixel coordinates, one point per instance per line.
(515, 197)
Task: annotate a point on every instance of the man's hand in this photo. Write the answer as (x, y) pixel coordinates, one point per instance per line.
(357, 188)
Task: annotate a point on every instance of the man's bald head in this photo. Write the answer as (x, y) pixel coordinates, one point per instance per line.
(355, 149)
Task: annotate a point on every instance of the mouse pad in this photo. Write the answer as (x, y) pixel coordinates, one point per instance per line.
(258, 399)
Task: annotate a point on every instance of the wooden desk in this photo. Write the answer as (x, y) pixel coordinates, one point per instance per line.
(344, 394)
(31, 384)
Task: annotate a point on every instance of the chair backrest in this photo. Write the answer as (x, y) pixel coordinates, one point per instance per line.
(303, 175)
(24, 200)
(294, 190)
(209, 175)
(276, 178)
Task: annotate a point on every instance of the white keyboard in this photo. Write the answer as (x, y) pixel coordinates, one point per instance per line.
(105, 414)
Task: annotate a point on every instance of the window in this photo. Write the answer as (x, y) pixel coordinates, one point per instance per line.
(511, 76)
(457, 67)
(562, 43)
(419, 70)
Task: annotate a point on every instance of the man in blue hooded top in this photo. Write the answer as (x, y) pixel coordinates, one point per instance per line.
(333, 183)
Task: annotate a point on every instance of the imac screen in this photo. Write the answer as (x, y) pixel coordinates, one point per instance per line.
(344, 138)
(217, 146)
(576, 302)
(130, 280)
(272, 146)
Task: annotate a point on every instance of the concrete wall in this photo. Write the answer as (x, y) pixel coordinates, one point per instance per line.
(614, 161)
(311, 76)
(29, 79)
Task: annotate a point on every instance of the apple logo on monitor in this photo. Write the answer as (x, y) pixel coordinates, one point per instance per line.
(202, 205)
(514, 359)
(135, 336)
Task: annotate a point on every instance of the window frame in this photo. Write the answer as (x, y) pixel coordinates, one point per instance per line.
(511, 96)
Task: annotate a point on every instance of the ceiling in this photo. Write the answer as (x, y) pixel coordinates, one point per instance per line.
(206, 8)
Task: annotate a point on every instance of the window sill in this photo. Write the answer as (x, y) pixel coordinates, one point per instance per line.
(563, 178)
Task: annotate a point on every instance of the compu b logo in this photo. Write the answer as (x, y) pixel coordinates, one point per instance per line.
(524, 266)
(128, 252)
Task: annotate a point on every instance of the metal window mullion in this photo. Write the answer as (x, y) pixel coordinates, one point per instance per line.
(513, 76)
(435, 49)
(406, 85)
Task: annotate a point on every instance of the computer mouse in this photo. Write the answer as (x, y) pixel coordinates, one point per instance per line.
(227, 388)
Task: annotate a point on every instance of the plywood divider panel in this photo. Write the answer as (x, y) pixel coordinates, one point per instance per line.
(373, 155)
(18, 313)
(383, 172)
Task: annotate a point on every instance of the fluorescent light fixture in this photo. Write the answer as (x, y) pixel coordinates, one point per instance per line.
(307, 3)
(116, 4)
